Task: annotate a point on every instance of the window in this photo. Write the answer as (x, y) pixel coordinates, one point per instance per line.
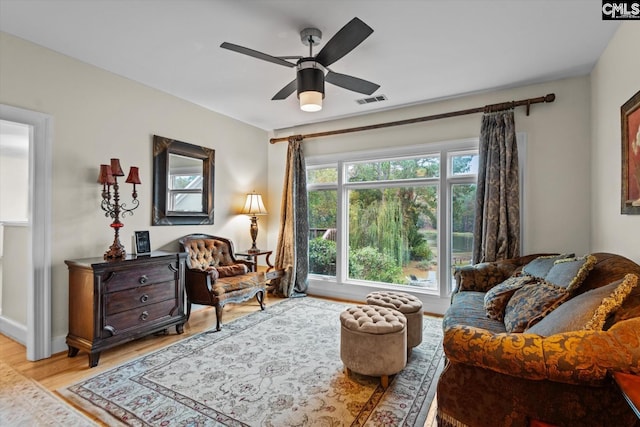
(393, 219)
(323, 206)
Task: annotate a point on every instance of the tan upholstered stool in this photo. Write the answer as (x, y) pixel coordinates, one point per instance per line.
(406, 304)
(373, 341)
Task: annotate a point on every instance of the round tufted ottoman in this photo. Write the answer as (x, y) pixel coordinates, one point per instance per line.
(373, 341)
(406, 304)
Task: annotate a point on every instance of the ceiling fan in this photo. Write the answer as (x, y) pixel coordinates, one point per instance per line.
(313, 71)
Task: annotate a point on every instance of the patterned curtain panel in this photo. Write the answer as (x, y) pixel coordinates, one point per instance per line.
(497, 221)
(292, 253)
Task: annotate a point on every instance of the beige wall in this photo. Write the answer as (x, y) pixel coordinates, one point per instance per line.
(614, 80)
(557, 199)
(98, 115)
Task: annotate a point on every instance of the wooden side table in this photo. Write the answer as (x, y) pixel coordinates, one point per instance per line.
(630, 386)
(254, 257)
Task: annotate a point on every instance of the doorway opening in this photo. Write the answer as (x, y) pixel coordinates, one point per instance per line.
(26, 235)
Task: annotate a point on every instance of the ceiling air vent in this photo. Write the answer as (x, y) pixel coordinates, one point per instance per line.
(371, 99)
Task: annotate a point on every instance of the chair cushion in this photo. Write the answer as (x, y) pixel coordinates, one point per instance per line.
(236, 283)
(532, 303)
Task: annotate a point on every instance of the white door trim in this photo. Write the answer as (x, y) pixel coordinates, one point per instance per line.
(40, 177)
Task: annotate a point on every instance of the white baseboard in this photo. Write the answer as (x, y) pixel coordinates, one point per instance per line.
(14, 330)
(59, 344)
(18, 332)
(431, 304)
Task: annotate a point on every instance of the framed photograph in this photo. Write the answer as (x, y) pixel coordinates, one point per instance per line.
(143, 244)
(630, 117)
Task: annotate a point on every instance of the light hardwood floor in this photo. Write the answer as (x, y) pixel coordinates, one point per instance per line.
(59, 371)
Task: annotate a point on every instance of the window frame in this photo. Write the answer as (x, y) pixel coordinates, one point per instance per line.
(339, 286)
(444, 180)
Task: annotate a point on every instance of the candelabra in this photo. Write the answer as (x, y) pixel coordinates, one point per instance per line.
(112, 207)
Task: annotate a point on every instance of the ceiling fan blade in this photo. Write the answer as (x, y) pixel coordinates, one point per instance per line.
(286, 91)
(344, 41)
(352, 83)
(256, 54)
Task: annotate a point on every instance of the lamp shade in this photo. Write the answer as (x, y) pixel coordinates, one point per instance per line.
(253, 205)
(105, 176)
(116, 170)
(311, 101)
(133, 177)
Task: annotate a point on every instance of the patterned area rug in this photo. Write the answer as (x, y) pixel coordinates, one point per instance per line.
(24, 402)
(279, 367)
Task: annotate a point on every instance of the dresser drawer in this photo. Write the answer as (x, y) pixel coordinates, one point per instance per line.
(142, 275)
(138, 317)
(141, 296)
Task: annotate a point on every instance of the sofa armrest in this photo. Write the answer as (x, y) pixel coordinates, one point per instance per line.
(481, 277)
(484, 276)
(579, 357)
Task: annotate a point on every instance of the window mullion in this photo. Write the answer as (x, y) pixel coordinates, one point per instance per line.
(444, 230)
(342, 224)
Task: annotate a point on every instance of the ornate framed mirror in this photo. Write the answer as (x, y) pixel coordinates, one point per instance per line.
(183, 183)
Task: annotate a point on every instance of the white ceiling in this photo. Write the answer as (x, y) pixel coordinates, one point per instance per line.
(420, 51)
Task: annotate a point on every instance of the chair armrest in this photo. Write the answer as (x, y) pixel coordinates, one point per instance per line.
(199, 285)
(274, 274)
(248, 263)
(578, 357)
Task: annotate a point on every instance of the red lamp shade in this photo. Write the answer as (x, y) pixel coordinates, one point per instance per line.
(133, 177)
(116, 170)
(106, 177)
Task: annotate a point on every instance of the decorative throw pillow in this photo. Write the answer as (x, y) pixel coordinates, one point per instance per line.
(574, 314)
(496, 298)
(232, 270)
(540, 266)
(571, 272)
(612, 302)
(532, 303)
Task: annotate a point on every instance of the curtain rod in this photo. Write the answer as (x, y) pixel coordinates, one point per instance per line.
(486, 109)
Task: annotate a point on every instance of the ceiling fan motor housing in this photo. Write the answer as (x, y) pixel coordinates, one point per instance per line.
(310, 76)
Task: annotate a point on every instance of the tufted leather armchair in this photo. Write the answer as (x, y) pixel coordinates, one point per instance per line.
(215, 277)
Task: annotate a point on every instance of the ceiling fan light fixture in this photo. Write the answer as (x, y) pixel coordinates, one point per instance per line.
(311, 101)
(310, 88)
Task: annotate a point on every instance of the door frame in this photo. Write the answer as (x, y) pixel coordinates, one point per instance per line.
(38, 340)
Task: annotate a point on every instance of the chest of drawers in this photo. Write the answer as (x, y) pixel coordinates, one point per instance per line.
(118, 301)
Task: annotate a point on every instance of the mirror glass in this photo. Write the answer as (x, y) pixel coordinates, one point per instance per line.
(183, 183)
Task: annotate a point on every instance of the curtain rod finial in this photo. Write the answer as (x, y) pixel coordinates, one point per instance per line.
(550, 97)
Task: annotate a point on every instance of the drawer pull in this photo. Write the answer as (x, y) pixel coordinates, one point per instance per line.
(144, 315)
(144, 298)
(143, 279)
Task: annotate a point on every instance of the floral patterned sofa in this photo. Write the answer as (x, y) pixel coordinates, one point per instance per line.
(558, 370)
